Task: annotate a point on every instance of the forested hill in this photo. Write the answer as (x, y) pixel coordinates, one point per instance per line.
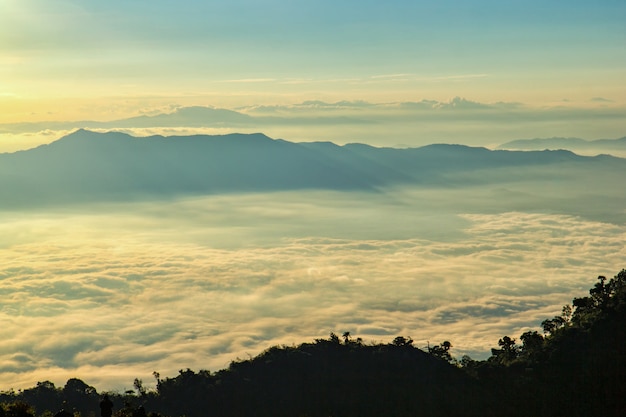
(577, 367)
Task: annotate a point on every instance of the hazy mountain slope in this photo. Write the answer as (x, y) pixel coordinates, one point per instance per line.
(196, 116)
(86, 166)
(609, 146)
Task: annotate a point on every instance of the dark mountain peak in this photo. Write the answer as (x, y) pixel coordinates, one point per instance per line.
(80, 131)
(84, 137)
(90, 134)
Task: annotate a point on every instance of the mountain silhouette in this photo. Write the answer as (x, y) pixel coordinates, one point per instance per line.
(195, 116)
(573, 144)
(86, 166)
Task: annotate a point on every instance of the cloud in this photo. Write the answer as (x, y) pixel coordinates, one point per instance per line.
(460, 77)
(251, 80)
(13, 142)
(402, 124)
(135, 288)
(391, 76)
(461, 103)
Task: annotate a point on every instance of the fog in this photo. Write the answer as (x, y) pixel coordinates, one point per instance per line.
(394, 124)
(112, 292)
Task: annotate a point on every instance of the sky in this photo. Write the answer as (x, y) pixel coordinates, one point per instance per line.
(94, 60)
(111, 292)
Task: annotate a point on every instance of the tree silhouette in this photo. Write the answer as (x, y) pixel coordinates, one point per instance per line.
(402, 341)
(576, 369)
(19, 409)
(507, 353)
(442, 351)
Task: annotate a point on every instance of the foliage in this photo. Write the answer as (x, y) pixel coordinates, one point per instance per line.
(577, 368)
(442, 351)
(18, 409)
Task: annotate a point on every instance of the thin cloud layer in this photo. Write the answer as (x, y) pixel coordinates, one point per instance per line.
(397, 124)
(108, 294)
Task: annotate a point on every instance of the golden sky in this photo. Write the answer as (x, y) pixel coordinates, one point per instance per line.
(73, 60)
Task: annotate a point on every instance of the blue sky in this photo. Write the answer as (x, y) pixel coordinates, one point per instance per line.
(267, 52)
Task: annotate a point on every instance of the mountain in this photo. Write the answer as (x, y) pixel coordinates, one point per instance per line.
(87, 166)
(577, 368)
(186, 117)
(196, 116)
(574, 144)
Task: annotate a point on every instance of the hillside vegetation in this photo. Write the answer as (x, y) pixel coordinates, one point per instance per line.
(576, 366)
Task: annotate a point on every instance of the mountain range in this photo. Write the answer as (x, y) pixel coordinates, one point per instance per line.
(186, 117)
(573, 144)
(384, 117)
(86, 166)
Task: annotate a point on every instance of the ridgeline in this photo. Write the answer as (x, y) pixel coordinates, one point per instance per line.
(575, 367)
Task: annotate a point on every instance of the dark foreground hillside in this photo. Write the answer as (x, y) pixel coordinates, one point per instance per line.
(575, 367)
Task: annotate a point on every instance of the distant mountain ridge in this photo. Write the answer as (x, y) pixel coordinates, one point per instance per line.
(87, 166)
(208, 116)
(194, 116)
(573, 144)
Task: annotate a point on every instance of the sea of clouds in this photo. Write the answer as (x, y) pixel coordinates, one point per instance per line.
(109, 293)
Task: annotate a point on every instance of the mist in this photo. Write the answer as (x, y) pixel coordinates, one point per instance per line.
(392, 124)
(111, 292)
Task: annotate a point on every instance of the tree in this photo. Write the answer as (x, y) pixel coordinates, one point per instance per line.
(566, 313)
(79, 395)
(550, 326)
(603, 297)
(75, 386)
(138, 385)
(467, 362)
(44, 396)
(402, 341)
(532, 344)
(442, 351)
(19, 409)
(508, 351)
